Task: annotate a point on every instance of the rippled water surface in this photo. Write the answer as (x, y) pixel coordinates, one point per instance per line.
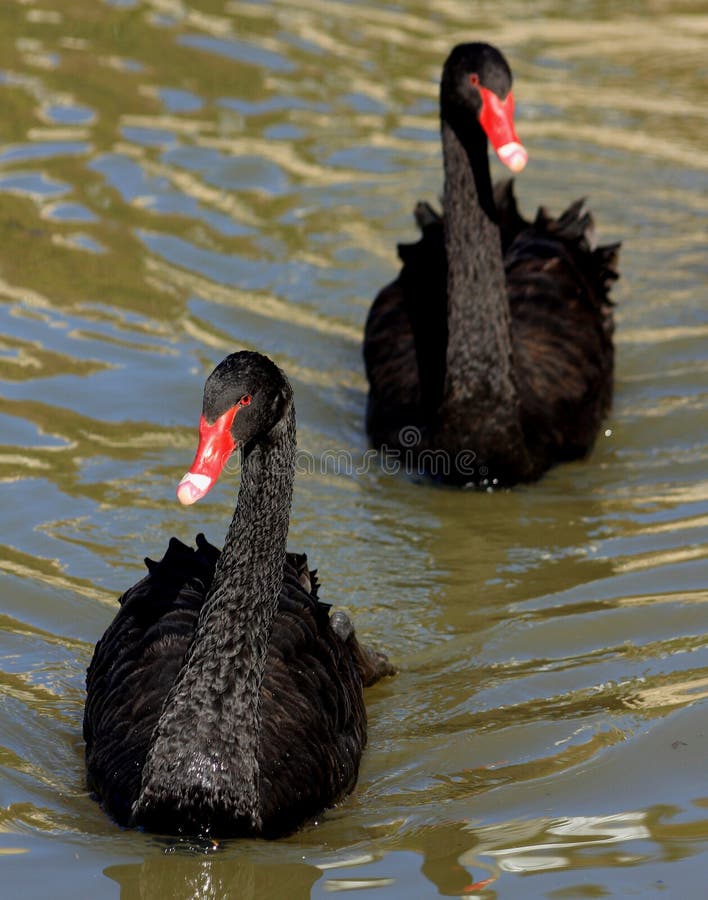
(182, 179)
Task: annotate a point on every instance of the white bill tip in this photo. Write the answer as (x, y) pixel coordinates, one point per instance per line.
(513, 155)
(192, 487)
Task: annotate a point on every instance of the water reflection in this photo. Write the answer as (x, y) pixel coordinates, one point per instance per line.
(184, 876)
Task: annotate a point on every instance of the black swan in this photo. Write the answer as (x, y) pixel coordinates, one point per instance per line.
(490, 357)
(224, 700)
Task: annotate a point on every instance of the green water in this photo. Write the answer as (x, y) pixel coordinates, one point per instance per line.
(182, 179)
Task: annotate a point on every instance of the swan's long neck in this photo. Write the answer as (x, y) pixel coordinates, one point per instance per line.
(479, 410)
(204, 753)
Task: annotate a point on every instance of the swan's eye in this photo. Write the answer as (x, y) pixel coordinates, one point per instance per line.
(474, 79)
(245, 400)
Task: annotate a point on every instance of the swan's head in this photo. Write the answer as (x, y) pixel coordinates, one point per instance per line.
(244, 398)
(476, 83)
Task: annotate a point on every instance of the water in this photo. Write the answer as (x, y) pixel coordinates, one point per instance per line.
(182, 179)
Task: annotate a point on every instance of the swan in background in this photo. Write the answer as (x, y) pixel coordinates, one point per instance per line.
(494, 344)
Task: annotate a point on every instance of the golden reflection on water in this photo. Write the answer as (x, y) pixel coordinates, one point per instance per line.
(178, 180)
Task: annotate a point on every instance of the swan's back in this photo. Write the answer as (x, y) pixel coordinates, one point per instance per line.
(405, 336)
(313, 719)
(313, 714)
(134, 666)
(561, 323)
(561, 329)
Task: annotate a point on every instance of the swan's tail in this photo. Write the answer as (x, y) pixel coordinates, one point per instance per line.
(372, 664)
